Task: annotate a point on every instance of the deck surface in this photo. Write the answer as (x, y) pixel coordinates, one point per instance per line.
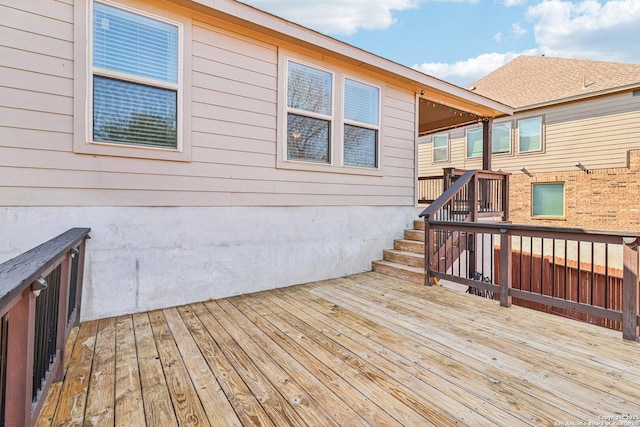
(360, 350)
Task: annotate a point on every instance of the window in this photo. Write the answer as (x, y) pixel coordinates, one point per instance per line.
(441, 148)
(309, 113)
(474, 143)
(501, 138)
(361, 124)
(135, 84)
(530, 135)
(548, 199)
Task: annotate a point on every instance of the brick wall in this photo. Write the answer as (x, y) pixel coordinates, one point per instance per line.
(604, 199)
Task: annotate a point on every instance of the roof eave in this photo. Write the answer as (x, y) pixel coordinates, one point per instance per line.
(436, 89)
(609, 91)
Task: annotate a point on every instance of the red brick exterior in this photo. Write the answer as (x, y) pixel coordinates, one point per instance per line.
(603, 199)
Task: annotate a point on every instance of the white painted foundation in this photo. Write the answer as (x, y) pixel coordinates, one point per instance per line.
(140, 259)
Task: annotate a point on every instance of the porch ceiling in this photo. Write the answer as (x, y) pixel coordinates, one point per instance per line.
(434, 117)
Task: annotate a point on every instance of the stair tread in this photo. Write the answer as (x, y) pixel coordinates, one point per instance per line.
(400, 266)
(406, 253)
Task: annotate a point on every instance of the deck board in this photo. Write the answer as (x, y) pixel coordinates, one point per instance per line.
(360, 350)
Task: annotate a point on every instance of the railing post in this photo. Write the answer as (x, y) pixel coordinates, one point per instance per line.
(630, 298)
(20, 343)
(447, 178)
(428, 242)
(506, 266)
(505, 198)
(473, 198)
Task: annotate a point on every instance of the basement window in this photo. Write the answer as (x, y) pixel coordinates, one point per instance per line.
(547, 199)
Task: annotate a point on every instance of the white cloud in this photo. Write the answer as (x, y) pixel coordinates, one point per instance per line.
(517, 30)
(337, 16)
(340, 17)
(511, 3)
(498, 37)
(464, 73)
(601, 30)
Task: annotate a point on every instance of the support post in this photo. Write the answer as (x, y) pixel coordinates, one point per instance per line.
(487, 135)
(505, 267)
(630, 297)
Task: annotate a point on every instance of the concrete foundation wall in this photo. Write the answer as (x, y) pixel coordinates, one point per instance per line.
(146, 258)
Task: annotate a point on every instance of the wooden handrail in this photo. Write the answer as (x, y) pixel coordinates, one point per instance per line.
(546, 282)
(37, 285)
(18, 273)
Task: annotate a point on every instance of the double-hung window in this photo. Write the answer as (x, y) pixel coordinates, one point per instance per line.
(361, 124)
(309, 113)
(135, 79)
(474, 143)
(501, 138)
(441, 148)
(530, 135)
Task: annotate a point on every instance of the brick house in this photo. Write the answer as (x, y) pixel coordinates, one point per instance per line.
(572, 145)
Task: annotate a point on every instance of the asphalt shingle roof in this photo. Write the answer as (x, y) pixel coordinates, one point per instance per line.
(532, 80)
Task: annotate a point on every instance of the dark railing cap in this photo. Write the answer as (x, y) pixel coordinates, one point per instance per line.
(19, 272)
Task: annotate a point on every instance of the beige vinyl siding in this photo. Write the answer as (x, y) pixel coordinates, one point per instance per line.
(598, 133)
(233, 121)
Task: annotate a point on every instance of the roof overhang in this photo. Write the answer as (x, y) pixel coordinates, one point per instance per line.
(581, 97)
(425, 86)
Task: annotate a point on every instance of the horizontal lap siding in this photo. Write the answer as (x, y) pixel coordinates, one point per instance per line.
(233, 121)
(597, 133)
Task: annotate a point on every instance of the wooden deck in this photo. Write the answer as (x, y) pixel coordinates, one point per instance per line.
(361, 350)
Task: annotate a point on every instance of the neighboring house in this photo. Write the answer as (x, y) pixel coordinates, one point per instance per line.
(572, 145)
(212, 148)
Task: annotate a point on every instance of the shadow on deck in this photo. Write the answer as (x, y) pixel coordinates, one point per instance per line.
(365, 349)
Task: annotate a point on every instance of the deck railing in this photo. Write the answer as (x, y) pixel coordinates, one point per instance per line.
(40, 294)
(571, 271)
(469, 195)
(430, 188)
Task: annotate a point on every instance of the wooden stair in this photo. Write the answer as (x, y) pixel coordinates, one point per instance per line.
(406, 259)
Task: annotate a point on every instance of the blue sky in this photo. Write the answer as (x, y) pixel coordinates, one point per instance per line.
(462, 40)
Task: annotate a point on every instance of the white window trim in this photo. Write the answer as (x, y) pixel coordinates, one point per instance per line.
(337, 131)
(542, 137)
(433, 148)
(564, 201)
(83, 85)
(356, 123)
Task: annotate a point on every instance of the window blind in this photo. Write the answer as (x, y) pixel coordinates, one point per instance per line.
(134, 44)
(361, 102)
